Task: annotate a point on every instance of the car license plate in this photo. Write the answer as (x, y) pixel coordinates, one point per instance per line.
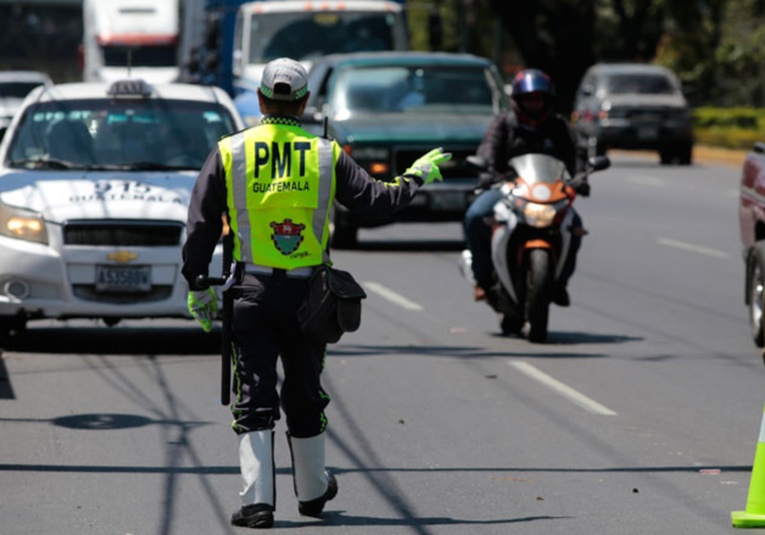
(647, 132)
(448, 201)
(123, 278)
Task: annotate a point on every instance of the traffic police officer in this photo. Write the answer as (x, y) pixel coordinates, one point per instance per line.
(275, 183)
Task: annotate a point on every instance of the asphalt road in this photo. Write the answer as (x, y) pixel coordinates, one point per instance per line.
(641, 414)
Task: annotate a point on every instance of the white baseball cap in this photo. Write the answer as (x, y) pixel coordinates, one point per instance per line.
(284, 79)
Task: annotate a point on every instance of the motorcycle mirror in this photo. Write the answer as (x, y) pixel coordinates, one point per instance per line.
(599, 163)
(478, 162)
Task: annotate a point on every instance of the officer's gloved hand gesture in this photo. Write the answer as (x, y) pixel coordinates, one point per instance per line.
(426, 167)
(203, 305)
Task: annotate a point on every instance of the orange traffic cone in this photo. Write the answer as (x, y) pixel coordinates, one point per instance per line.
(754, 516)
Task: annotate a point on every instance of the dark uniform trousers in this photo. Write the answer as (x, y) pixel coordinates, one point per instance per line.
(264, 328)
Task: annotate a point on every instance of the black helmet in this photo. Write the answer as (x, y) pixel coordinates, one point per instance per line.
(532, 82)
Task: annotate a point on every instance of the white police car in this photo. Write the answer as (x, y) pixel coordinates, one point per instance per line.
(95, 180)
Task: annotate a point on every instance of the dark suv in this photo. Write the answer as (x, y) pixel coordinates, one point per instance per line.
(636, 107)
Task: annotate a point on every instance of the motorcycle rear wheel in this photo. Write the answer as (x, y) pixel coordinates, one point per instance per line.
(538, 294)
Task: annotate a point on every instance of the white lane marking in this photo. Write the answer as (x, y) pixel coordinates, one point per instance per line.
(694, 248)
(646, 180)
(392, 296)
(561, 388)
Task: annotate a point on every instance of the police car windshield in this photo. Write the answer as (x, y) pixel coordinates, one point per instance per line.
(412, 89)
(132, 133)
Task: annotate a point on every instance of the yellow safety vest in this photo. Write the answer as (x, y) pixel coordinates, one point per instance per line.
(280, 183)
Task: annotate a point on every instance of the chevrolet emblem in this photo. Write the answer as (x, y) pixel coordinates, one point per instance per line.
(122, 257)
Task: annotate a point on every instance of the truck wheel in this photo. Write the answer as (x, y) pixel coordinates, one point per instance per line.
(538, 293)
(756, 297)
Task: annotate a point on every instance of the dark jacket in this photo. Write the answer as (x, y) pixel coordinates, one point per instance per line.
(505, 138)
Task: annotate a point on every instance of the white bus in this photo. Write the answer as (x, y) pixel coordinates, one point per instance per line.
(130, 38)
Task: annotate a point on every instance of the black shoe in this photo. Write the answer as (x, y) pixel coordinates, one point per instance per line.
(561, 298)
(259, 515)
(316, 506)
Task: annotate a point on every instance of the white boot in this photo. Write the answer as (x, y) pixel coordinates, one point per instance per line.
(314, 484)
(256, 462)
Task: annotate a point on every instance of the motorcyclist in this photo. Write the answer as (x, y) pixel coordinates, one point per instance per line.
(531, 126)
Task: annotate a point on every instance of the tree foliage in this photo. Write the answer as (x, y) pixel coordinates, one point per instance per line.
(715, 46)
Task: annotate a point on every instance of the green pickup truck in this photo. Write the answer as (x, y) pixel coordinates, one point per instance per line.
(388, 108)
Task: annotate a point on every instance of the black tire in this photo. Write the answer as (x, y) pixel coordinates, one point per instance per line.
(682, 154)
(685, 154)
(756, 293)
(538, 294)
(10, 326)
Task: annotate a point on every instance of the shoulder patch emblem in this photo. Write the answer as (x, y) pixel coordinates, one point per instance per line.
(287, 236)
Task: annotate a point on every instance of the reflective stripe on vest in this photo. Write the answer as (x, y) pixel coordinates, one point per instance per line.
(255, 198)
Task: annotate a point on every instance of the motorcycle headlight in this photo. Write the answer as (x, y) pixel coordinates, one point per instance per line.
(539, 215)
(22, 224)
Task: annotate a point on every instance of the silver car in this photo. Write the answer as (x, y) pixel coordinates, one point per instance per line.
(634, 107)
(14, 86)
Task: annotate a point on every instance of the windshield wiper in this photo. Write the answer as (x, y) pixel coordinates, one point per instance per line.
(156, 166)
(37, 163)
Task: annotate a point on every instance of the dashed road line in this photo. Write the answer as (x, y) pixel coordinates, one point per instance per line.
(393, 297)
(693, 248)
(561, 388)
(646, 180)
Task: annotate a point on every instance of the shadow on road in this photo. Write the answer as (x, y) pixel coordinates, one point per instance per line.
(551, 349)
(117, 340)
(575, 338)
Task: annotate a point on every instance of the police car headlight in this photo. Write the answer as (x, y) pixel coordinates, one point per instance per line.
(22, 224)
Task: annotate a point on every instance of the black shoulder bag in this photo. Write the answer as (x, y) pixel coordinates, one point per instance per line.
(332, 306)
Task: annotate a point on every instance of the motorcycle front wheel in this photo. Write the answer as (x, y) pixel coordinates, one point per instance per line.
(538, 293)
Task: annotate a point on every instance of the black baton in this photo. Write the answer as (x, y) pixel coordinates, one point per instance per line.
(226, 317)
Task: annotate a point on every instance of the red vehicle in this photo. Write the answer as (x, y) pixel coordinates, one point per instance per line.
(752, 223)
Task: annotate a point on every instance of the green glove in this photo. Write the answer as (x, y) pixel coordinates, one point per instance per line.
(203, 305)
(426, 167)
